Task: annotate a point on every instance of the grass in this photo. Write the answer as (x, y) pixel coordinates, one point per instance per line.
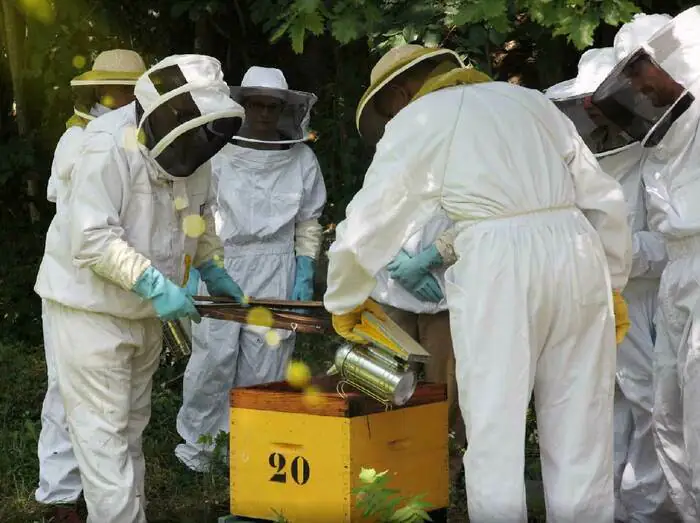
(175, 495)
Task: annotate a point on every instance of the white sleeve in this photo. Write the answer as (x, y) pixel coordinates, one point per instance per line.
(100, 183)
(64, 158)
(601, 199)
(51, 190)
(307, 237)
(649, 254)
(401, 193)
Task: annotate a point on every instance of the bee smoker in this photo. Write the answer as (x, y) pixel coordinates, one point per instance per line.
(381, 376)
(176, 338)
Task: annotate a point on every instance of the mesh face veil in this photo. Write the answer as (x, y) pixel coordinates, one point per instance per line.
(293, 107)
(642, 98)
(655, 82)
(599, 134)
(573, 98)
(185, 113)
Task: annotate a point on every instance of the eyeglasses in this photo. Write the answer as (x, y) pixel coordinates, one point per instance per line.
(260, 106)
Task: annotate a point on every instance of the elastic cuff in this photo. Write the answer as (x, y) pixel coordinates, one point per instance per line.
(445, 246)
(307, 238)
(121, 265)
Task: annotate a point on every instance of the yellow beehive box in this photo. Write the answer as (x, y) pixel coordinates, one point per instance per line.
(304, 461)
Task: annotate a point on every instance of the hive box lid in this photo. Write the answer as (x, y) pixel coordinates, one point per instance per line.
(282, 397)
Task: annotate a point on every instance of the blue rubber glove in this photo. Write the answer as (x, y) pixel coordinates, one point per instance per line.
(410, 271)
(429, 289)
(218, 282)
(192, 286)
(170, 301)
(304, 279)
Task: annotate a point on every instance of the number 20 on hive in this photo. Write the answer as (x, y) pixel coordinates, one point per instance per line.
(299, 469)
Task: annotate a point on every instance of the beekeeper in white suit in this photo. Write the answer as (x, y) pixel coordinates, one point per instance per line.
(108, 85)
(269, 196)
(641, 491)
(531, 295)
(139, 216)
(652, 96)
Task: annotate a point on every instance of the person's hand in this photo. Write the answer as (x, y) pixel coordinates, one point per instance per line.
(345, 323)
(170, 301)
(622, 319)
(429, 289)
(304, 279)
(192, 286)
(410, 271)
(218, 282)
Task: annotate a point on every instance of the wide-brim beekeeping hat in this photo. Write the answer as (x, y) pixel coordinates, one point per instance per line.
(370, 122)
(293, 123)
(113, 67)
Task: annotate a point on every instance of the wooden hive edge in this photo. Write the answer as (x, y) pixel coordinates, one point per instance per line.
(279, 397)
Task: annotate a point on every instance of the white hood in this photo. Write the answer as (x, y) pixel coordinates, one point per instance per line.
(593, 66)
(204, 82)
(633, 34)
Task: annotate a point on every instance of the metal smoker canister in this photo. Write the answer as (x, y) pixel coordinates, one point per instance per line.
(176, 338)
(376, 375)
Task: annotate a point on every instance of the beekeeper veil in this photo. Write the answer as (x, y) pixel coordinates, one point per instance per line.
(294, 107)
(649, 89)
(573, 98)
(185, 112)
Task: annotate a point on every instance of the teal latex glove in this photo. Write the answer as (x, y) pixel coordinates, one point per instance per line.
(428, 289)
(192, 286)
(170, 301)
(218, 282)
(410, 272)
(304, 279)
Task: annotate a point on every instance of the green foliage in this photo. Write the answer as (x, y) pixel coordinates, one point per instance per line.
(578, 19)
(218, 445)
(376, 499)
(394, 21)
(279, 517)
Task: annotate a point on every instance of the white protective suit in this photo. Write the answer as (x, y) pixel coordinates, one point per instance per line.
(640, 486)
(59, 478)
(267, 207)
(541, 237)
(67, 149)
(641, 492)
(120, 219)
(671, 173)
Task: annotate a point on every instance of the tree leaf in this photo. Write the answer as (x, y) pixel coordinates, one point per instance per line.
(313, 22)
(469, 14)
(496, 37)
(307, 6)
(280, 31)
(345, 28)
(297, 33)
(581, 34)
